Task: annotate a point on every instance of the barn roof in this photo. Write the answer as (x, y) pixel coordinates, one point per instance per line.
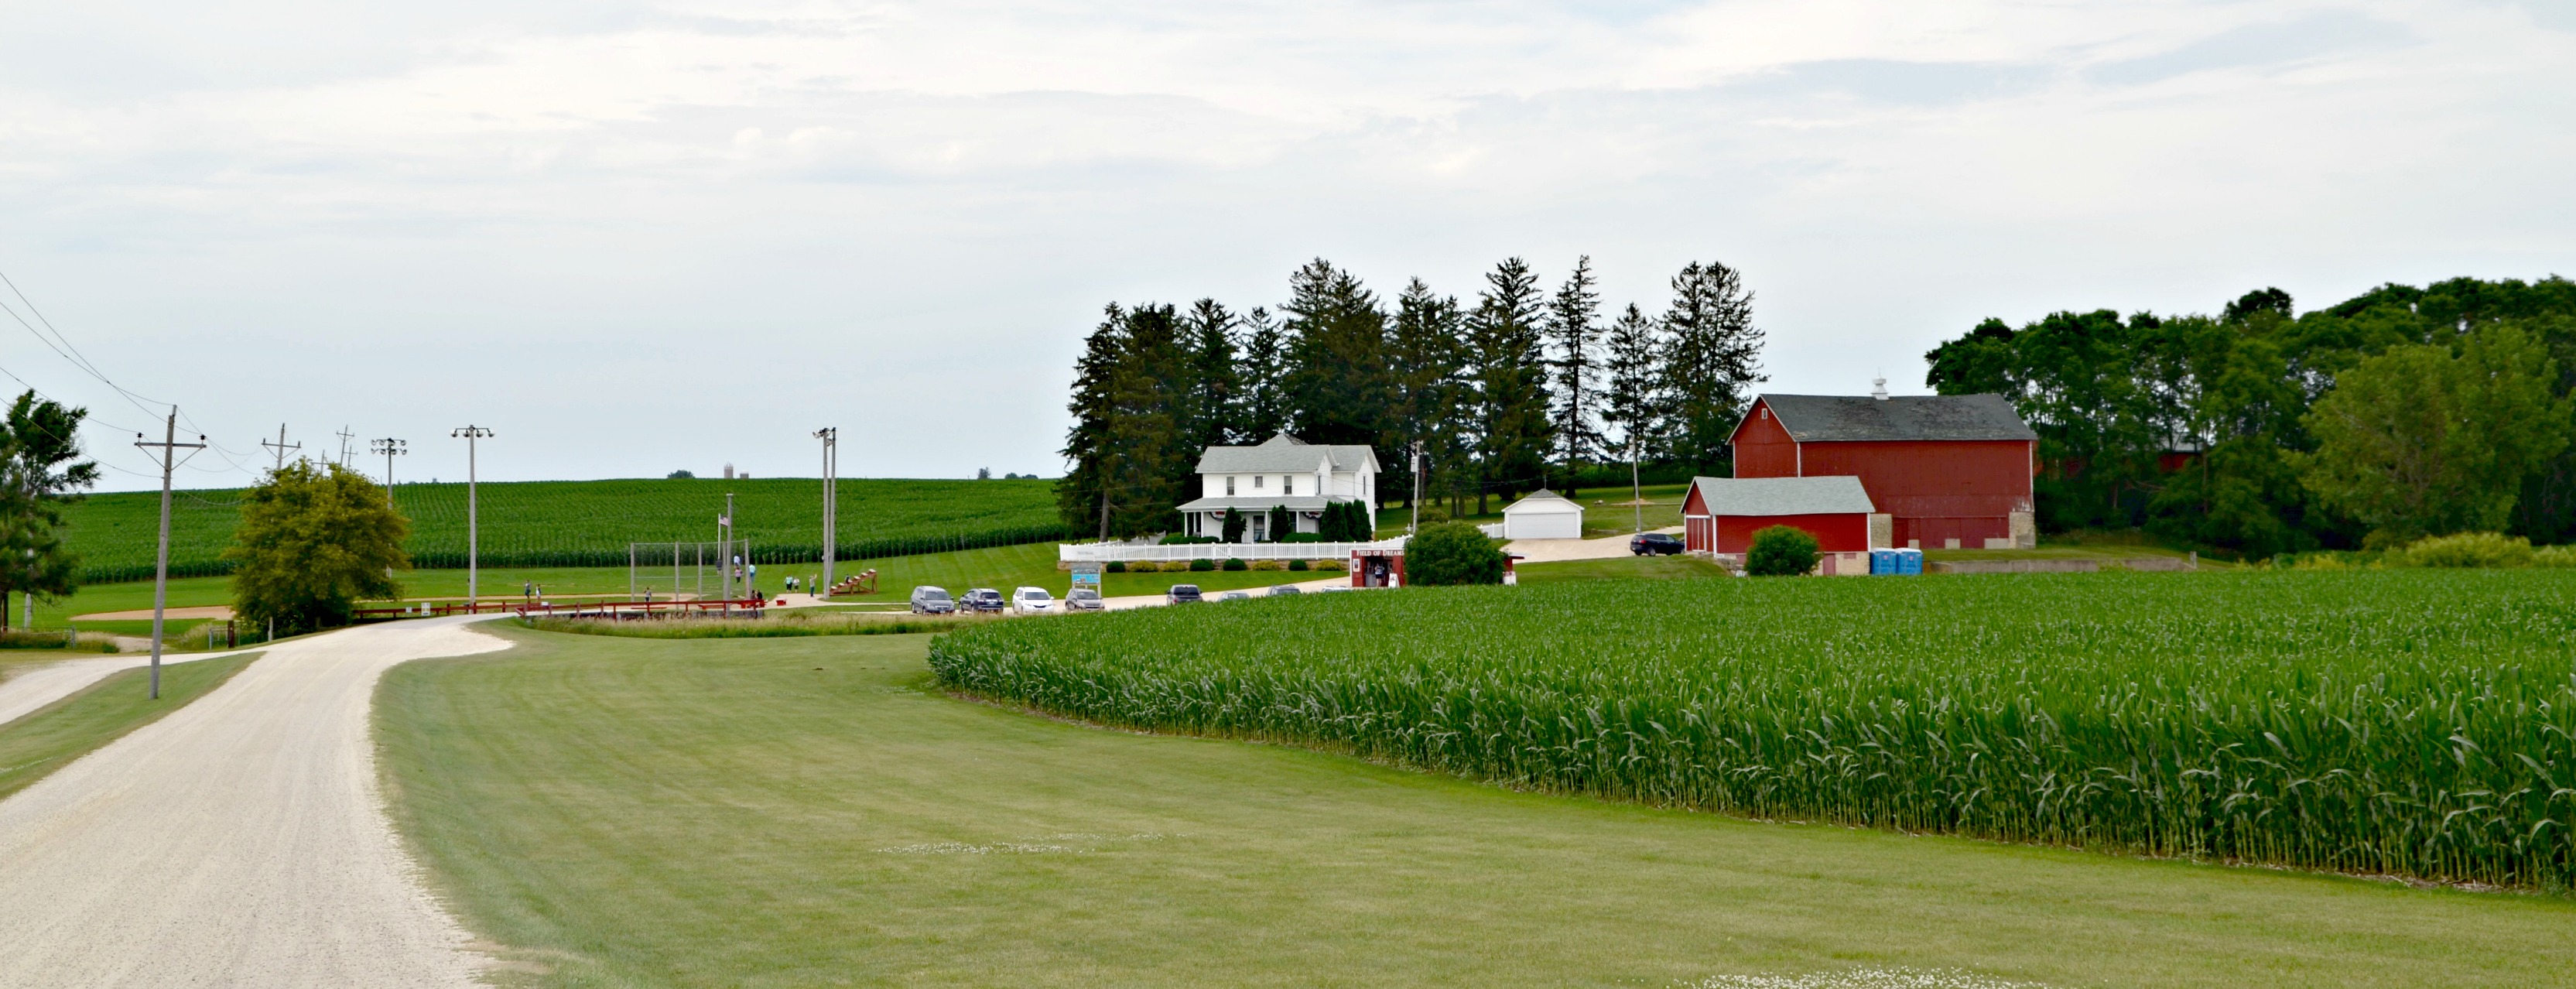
(1834, 418)
(1285, 454)
(1741, 496)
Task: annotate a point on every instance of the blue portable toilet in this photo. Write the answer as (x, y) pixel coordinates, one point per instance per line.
(1909, 562)
(1882, 563)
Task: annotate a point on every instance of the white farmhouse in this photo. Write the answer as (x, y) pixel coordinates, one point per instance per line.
(1284, 472)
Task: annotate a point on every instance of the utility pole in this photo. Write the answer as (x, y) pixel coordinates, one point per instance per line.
(389, 446)
(831, 438)
(724, 548)
(281, 446)
(161, 567)
(345, 436)
(1416, 501)
(473, 522)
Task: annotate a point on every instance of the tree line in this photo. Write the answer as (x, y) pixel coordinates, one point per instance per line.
(1520, 388)
(2399, 413)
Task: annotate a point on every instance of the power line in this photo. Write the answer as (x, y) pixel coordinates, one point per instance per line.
(66, 349)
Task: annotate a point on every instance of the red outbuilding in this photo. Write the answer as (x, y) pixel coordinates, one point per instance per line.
(1951, 471)
(1721, 514)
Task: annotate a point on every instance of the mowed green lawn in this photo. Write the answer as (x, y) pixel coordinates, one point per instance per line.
(796, 812)
(51, 737)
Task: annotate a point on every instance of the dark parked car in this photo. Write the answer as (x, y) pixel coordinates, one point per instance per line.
(927, 600)
(1182, 594)
(1654, 544)
(1082, 599)
(985, 599)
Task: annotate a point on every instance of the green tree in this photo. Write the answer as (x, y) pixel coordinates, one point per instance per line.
(1427, 358)
(37, 478)
(1632, 401)
(1215, 396)
(1452, 553)
(1282, 522)
(1573, 338)
(1507, 362)
(1264, 366)
(2420, 440)
(313, 541)
(1232, 525)
(1714, 360)
(1780, 551)
(1337, 383)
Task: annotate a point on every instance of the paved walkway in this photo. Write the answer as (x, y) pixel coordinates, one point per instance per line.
(240, 841)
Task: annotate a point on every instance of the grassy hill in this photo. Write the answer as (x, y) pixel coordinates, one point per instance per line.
(589, 523)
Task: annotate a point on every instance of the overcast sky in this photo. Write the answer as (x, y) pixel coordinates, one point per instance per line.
(638, 237)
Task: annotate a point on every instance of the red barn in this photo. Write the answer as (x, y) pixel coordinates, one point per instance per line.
(1952, 470)
(1721, 514)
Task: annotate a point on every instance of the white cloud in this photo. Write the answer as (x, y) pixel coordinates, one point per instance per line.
(727, 223)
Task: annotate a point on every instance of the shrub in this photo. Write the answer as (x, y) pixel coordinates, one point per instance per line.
(1176, 539)
(1434, 515)
(2554, 556)
(1296, 564)
(1780, 551)
(2468, 549)
(1452, 553)
(1115, 566)
(1270, 564)
(1202, 566)
(1235, 564)
(1301, 537)
(1334, 566)
(1144, 566)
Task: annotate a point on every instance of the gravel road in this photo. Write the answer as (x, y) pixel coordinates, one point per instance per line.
(240, 841)
(42, 685)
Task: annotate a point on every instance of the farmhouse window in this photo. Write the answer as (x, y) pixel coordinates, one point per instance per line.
(1256, 481)
(1229, 485)
(1287, 484)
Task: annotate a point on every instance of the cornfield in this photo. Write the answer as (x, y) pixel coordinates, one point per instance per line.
(590, 523)
(2416, 723)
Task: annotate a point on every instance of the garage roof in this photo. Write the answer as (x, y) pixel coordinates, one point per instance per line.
(1543, 501)
(1833, 418)
(1782, 495)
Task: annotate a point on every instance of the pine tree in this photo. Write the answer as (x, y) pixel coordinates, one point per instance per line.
(1215, 399)
(1149, 458)
(1079, 494)
(1507, 362)
(1632, 402)
(1715, 357)
(1572, 335)
(1336, 380)
(1426, 354)
(1262, 368)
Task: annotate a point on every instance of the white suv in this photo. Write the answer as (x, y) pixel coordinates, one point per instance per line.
(1031, 601)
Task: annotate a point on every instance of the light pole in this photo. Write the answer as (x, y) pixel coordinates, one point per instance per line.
(473, 522)
(1415, 527)
(390, 447)
(831, 438)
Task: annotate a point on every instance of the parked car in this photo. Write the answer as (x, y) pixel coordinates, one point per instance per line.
(927, 600)
(1654, 544)
(1032, 601)
(1234, 596)
(1182, 594)
(1283, 590)
(984, 599)
(1083, 599)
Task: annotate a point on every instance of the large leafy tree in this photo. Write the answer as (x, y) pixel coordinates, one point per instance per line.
(1573, 337)
(1714, 360)
(1507, 361)
(313, 541)
(2420, 440)
(38, 476)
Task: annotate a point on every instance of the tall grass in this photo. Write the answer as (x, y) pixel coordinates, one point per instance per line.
(2412, 722)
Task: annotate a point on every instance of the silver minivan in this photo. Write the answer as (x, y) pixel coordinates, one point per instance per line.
(928, 600)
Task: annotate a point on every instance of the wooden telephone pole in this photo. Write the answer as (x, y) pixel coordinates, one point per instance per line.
(169, 447)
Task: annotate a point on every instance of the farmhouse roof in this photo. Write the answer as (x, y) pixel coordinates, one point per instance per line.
(1837, 418)
(1740, 496)
(1248, 504)
(1285, 454)
(1542, 500)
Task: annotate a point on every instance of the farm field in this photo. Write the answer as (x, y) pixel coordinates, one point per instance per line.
(590, 523)
(789, 812)
(2407, 722)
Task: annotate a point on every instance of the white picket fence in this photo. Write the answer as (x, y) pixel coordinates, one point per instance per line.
(1127, 552)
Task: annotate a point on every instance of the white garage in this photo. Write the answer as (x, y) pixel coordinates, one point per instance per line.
(1543, 515)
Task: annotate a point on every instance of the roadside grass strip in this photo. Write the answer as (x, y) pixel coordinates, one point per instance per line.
(51, 737)
(2418, 724)
(1867, 978)
(797, 812)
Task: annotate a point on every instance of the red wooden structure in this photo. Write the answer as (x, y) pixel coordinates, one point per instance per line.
(1720, 515)
(1952, 470)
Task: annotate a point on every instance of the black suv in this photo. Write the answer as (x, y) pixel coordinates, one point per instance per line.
(1654, 544)
(984, 599)
(1182, 594)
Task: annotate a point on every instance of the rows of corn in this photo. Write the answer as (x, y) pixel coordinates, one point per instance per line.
(2410, 722)
(590, 523)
